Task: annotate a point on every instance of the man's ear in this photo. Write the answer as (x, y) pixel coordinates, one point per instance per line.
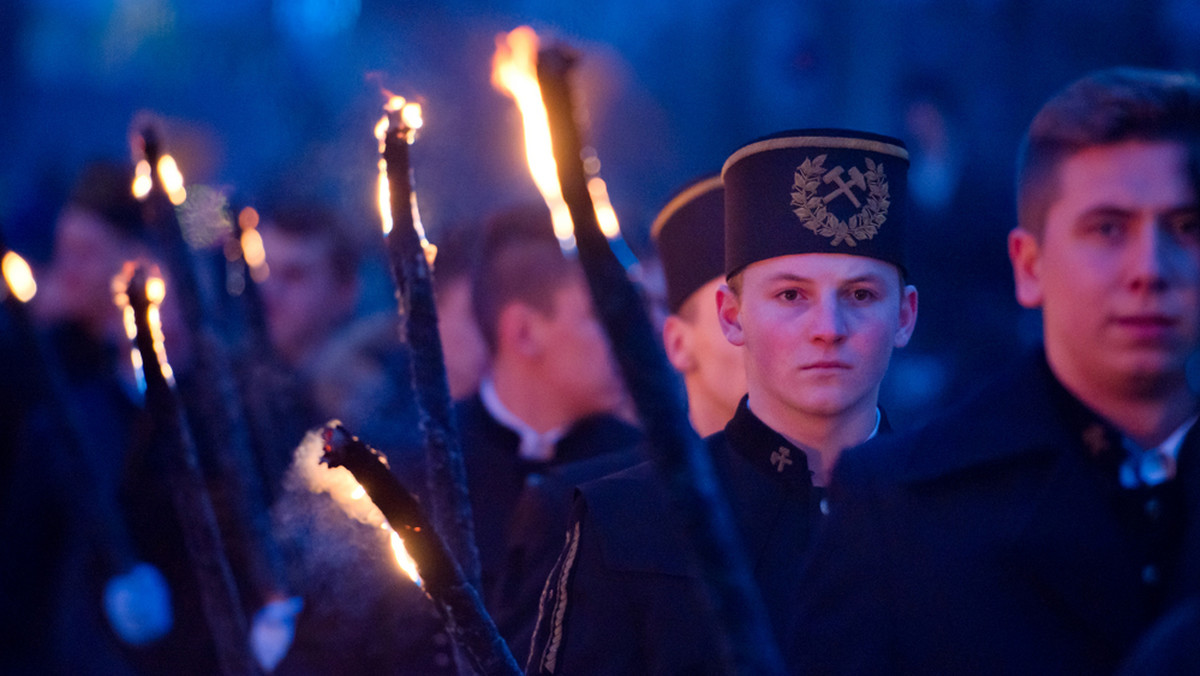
(729, 314)
(1024, 251)
(677, 339)
(518, 331)
(908, 315)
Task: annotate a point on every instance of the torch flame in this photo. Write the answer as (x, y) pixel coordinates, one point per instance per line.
(409, 119)
(403, 560)
(254, 252)
(156, 291)
(168, 173)
(142, 181)
(18, 276)
(172, 179)
(347, 494)
(605, 213)
(514, 71)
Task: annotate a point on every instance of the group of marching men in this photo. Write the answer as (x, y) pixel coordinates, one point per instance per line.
(1048, 524)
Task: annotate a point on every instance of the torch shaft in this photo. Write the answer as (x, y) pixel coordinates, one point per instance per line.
(202, 538)
(445, 472)
(456, 598)
(213, 398)
(689, 477)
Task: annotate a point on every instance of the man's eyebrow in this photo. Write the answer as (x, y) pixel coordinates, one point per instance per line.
(869, 277)
(787, 277)
(1105, 210)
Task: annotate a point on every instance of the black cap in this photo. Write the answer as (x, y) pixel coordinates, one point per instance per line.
(816, 191)
(690, 235)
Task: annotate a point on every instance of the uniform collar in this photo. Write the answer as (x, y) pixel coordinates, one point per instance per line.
(1025, 412)
(534, 446)
(769, 451)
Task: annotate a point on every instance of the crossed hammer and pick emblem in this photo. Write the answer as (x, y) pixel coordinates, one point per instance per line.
(857, 180)
(866, 190)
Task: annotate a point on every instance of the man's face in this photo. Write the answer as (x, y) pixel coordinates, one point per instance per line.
(576, 360)
(304, 300)
(462, 343)
(1117, 269)
(716, 366)
(819, 330)
(88, 253)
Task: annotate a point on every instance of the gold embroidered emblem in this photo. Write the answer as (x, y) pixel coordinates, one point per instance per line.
(811, 209)
(781, 458)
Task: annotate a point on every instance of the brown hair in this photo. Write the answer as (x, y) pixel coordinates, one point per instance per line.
(1103, 108)
(519, 262)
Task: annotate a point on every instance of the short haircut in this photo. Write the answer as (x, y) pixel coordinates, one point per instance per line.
(1104, 108)
(323, 224)
(519, 262)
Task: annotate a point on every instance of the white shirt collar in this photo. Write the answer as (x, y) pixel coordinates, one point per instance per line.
(1153, 466)
(535, 446)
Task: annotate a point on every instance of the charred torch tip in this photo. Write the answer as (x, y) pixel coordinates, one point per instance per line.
(334, 438)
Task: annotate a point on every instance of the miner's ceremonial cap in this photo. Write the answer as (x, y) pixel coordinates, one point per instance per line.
(690, 235)
(816, 191)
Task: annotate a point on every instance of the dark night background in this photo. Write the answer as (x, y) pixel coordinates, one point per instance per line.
(272, 99)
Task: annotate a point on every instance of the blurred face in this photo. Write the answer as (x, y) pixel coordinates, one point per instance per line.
(714, 368)
(304, 300)
(462, 343)
(1117, 270)
(576, 361)
(818, 331)
(88, 253)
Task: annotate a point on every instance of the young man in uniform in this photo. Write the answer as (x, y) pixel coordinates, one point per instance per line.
(552, 395)
(689, 234)
(816, 296)
(1045, 524)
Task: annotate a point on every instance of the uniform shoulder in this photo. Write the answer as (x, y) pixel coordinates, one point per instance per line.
(628, 515)
(996, 422)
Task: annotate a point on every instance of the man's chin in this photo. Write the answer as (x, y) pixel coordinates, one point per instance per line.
(1149, 373)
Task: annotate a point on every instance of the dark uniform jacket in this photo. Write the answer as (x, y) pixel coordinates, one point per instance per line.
(497, 477)
(996, 541)
(625, 598)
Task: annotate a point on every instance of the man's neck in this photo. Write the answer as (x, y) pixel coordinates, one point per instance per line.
(822, 437)
(1145, 413)
(536, 406)
(707, 414)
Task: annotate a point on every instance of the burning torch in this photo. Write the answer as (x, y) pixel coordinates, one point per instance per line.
(136, 598)
(543, 92)
(435, 568)
(212, 398)
(411, 258)
(140, 294)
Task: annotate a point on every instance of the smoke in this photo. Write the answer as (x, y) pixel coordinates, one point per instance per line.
(341, 563)
(309, 473)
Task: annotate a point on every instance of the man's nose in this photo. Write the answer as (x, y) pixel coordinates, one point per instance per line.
(1152, 257)
(828, 323)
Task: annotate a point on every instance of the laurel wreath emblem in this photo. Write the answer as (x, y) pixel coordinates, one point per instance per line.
(810, 207)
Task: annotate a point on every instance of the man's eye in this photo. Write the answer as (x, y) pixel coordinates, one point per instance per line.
(1186, 225)
(862, 294)
(1107, 228)
(789, 295)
